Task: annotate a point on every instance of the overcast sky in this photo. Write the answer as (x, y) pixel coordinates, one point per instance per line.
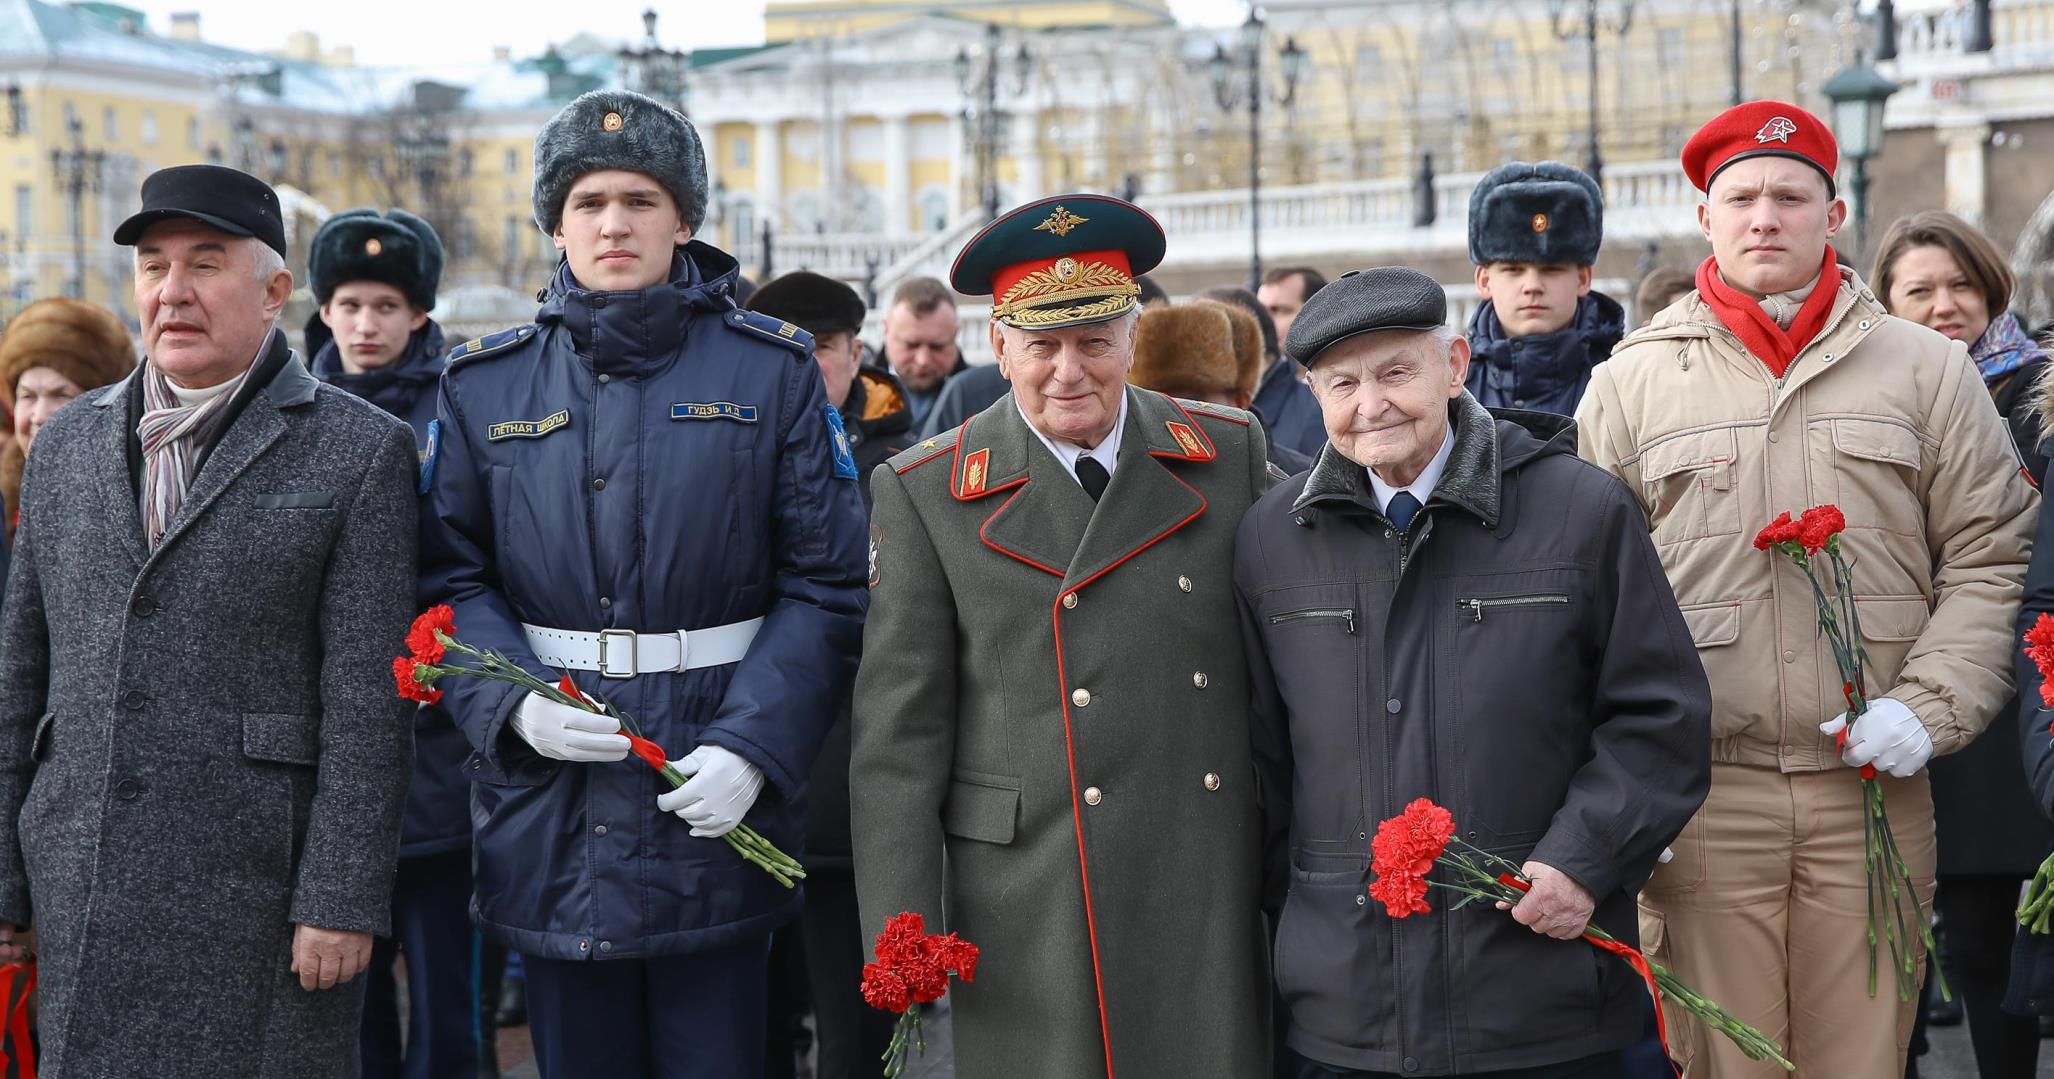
(408, 32)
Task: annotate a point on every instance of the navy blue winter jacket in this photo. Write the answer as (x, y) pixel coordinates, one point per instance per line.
(580, 482)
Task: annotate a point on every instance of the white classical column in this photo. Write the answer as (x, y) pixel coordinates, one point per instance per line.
(1162, 153)
(961, 169)
(1965, 142)
(898, 177)
(770, 158)
(1025, 148)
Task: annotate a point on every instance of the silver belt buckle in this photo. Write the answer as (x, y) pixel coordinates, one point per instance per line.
(608, 639)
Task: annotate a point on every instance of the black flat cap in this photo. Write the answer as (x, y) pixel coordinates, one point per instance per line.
(1365, 301)
(815, 303)
(234, 202)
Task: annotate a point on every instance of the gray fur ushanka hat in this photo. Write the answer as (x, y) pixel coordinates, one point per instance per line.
(1543, 212)
(618, 129)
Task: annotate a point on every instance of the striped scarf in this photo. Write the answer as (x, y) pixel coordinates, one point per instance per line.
(171, 431)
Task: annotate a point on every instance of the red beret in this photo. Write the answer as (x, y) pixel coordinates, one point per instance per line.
(1760, 129)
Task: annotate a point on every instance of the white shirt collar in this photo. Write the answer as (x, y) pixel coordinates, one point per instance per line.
(1105, 453)
(1429, 477)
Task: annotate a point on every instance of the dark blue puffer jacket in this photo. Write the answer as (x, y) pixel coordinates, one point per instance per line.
(438, 810)
(1545, 372)
(606, 505)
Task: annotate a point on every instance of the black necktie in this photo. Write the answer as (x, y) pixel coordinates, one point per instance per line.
(1402, 509)
(1094, 477)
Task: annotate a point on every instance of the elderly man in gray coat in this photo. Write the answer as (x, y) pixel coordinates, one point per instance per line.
(202, 753)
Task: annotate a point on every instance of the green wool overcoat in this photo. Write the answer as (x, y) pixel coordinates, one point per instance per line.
(1051, 743)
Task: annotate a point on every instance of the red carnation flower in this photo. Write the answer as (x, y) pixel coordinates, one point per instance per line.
(650, 753)
(2040, 649)
(958, 956)
(415, 679)
(1780, 530)
(421, 638)
(1819, 525)
(1403, 853)
(884, 990)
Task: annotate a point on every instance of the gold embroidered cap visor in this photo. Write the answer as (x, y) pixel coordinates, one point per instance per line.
(1061, 261)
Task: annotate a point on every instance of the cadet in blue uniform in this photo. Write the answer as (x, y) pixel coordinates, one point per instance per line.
(648, 488)
(375, 278)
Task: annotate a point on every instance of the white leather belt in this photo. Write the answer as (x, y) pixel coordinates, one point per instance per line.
(624, 653)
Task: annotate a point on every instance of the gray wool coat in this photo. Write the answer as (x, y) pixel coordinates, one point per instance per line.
(202, 746)
(1052, 746)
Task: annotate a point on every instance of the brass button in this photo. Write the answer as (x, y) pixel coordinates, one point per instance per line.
(1212, 781)
(1069, 600)
(1092, 795)
(1789, 657)
(1184, 583)
(1080, 697)
(1199, 679)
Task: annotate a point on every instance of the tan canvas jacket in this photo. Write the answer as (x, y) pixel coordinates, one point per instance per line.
(1886, 419)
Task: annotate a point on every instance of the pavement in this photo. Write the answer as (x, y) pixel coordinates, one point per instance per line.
(1949, 1058)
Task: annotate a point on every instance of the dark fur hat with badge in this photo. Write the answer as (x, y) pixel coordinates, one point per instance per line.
(618, 129)
(1545, 212)
(394, 248)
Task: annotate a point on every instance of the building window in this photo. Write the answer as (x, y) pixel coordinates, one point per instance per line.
(741, 151)
(192, 133)
(512, 162)
(463, 162)
(510, 239)
(110, 124)
(70, 116)
(334, 163)
(24, 211)
(545, 247)
(149, 128)
(934, 211)
(376, 166)
(278, 158)
(1369, 62)
(1669, 47)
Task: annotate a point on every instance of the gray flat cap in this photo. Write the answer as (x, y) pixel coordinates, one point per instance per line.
(1365, 301)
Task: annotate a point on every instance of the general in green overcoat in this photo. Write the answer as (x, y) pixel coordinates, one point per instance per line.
(1051, 726)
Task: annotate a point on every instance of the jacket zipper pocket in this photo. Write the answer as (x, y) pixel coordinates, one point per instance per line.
(1476, 607)
(1345, 614)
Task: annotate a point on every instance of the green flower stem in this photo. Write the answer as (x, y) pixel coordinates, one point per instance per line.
(745, 841)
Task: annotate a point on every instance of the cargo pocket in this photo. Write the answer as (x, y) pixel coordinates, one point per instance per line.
(1875, 467)
(1684, 1031)
(1685, 872)
(1688, 485)
(1331, 935)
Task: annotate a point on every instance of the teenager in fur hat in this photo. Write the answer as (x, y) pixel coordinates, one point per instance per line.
(375, 276)
(1534, 231)
(646, 462)
(53, 351)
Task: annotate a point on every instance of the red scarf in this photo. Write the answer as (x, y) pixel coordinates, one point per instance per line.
(1742, 314)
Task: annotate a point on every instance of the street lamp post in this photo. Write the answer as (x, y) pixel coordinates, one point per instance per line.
(1858, 93)
(1248, 54)
(978, 78)
(77, 171)
(653, 70)
(1594, 163)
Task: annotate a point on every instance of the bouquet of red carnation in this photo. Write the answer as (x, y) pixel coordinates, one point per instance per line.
(433, 638)
(2036, 909)
(913, 968)
(1408, 846)
(1892, 900)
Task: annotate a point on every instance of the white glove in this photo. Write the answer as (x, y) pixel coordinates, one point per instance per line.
(1888, 736)
(1668, 855)
(566, 733)
(719, 793)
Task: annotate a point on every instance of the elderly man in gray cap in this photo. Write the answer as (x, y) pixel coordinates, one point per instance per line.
(202, 755)
(1450, 605)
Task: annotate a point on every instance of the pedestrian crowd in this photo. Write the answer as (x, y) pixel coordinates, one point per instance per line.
(1153, 659)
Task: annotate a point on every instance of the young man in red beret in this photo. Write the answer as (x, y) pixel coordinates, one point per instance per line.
(1779, 384)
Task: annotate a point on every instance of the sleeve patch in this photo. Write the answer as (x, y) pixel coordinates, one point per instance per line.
(838, 435)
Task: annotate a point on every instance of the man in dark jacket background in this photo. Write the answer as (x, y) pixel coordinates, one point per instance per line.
(1534, 233)
(1452, 605)
(852, 1034)
(648, 488)
(375, 278)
